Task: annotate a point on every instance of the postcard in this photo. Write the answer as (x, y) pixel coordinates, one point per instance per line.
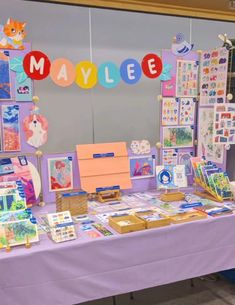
(177, 137)
(60, 173)
(186, 78)
(17, 232)
(187, 111)
(11, 128)
(5, 82)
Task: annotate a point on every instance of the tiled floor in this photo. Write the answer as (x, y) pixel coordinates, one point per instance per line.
(204, 292)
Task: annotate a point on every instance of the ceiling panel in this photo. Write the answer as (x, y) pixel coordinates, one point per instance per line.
(213, 9)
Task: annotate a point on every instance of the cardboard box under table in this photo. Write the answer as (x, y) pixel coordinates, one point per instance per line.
(74, 201)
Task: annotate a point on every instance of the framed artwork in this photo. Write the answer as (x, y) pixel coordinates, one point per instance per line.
(170, 111)
(185, 159)
(187, 111)
(5, 81)
(206, 147)
(177, 137)
(186, 78)
(142, 167)
(224, 124)
(213, 76)
(60, 173)
(11, 128)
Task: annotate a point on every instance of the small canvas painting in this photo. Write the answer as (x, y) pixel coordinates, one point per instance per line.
(5, 84)
(142, 167)
(16, 232)
(174, 137)
(11, 128)
(60, 171)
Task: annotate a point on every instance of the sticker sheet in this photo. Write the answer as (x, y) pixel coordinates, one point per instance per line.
(187, 111)
(11, 128)
(142, 167)
(5, 82)
(60, 173)
(186, 78)
(169, 156)
(180, 136)
(206, 148)
(213, 80)
(224, 124)
(23, 91)
(170, 111)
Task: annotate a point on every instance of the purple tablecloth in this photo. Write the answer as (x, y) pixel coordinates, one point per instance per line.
(82, 270)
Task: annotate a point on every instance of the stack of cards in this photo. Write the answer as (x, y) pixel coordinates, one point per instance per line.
(61, 226)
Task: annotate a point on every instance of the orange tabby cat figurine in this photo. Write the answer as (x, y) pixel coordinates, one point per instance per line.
(12, 35)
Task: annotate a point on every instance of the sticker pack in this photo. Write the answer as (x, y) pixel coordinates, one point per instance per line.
(187, 78)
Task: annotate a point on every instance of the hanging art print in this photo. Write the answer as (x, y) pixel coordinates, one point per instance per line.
(206, 147)
(11, 128)
(224, 124)
(5, 83)
(213, 76)
(185, 159)
(169, 156)
(186, 78)
(170, 111)
(60, 172)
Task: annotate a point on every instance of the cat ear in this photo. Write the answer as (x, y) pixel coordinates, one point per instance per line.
(9, 21)
(24, 24)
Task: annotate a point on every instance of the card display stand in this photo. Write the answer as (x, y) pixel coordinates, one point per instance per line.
(172, 196)
(206, 192)
(108, 195)
(126, 223)
(74, 201)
